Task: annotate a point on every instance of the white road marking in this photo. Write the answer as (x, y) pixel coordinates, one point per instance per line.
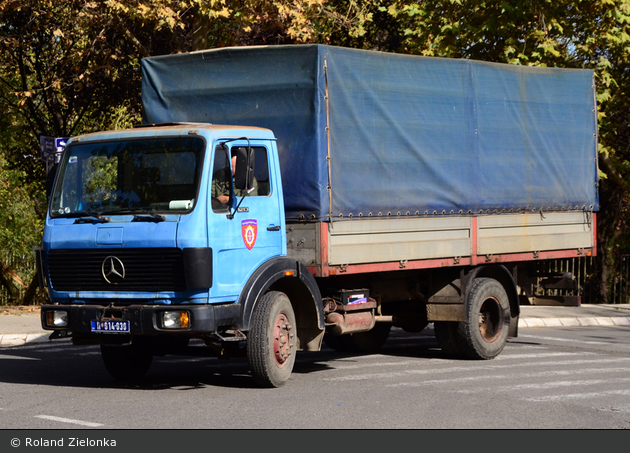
(378, 364)
(538, 355)
(481, 367)
(576, 396)
(549, 385)
(355, 365)
(522, 376)
(576, 342)
(69, 420)
(44, 348)
(17, 357)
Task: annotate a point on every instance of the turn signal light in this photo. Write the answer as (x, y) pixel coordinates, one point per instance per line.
(175, 320)
(57, 318)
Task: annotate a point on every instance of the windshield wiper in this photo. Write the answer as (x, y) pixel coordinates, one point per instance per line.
(92, 217)
(152, 217)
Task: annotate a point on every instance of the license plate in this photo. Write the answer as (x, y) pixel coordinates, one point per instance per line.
(110, 326)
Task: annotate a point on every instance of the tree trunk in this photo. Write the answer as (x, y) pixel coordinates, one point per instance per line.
(610, 229)
(603, 281)
(201, 30)
(5, 281)
(31, 291)
(8, 279)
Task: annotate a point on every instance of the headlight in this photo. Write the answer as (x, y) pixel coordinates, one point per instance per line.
(175, 320)
(57, 318)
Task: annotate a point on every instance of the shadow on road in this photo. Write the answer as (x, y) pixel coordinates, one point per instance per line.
(81, 366)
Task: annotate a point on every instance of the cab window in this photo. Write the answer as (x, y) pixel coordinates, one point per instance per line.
(222, 177)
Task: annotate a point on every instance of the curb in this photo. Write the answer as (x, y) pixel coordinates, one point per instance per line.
(574, 322)
(22, 339)
(19, 339)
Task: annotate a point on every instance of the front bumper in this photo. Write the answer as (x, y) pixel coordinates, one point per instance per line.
(145, 319)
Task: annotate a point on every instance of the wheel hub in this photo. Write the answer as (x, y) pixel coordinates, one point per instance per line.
(282, 340)
(490, 319)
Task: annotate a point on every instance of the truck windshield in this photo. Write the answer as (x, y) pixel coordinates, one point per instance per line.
(117, 177)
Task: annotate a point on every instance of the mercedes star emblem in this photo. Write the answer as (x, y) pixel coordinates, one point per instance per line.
(113, 270)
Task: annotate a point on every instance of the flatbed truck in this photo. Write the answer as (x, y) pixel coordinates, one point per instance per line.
(280, 197)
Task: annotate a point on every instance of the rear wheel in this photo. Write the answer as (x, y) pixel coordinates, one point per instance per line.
(485, 332)
(271, 342)
(129, 362)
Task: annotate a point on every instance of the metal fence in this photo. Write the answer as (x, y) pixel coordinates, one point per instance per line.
(583, 269)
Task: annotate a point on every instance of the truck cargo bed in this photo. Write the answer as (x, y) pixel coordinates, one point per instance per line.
(363, 132)
(370, 245)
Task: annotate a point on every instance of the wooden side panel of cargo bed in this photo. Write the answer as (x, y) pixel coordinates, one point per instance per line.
(520, 233)
(360, 245)
(378, 241)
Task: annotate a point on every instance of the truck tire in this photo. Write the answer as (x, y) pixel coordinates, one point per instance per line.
(446, 334)
(484, 334)
(127, 363)
(364, 342)
(271, 342)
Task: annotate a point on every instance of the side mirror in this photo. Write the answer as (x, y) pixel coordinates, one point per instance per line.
(245, 161)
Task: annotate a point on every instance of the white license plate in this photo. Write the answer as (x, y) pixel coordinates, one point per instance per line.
(110, 326)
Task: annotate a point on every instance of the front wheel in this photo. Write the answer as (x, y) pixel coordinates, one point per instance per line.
(271, 342)
(484, 334)
(127, 363)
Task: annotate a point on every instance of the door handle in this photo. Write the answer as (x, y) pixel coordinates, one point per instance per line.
(273, 228)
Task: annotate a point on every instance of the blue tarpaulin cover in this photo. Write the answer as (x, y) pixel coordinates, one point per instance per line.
(407, 133)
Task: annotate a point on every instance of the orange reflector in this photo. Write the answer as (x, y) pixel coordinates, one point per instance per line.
(289, 273)
(184, 320)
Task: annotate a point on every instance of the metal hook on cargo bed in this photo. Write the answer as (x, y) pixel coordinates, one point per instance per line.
(589, 216)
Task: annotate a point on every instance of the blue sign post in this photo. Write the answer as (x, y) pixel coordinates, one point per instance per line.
(51, 150)
(52, 147)
(60, 143)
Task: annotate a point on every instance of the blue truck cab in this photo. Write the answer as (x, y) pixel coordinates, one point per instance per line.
(161, 234)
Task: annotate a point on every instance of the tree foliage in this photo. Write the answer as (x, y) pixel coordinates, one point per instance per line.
(70, 67)
(591, 34)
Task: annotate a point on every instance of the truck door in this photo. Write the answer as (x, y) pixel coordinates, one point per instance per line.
(242, 238)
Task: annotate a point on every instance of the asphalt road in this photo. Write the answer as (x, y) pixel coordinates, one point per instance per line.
(547, 378)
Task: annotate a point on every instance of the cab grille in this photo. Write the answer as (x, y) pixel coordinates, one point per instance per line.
(154, 269)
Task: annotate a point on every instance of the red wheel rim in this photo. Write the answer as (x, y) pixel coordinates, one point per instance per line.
(282, 340)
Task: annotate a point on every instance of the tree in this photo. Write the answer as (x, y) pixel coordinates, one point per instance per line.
(63, 71)
(591, 34)
(72, 67)
(20, 226)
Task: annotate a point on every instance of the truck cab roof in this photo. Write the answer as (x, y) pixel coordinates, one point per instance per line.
(209, 131)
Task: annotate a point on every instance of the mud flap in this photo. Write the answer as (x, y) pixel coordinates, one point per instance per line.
(513, 332)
